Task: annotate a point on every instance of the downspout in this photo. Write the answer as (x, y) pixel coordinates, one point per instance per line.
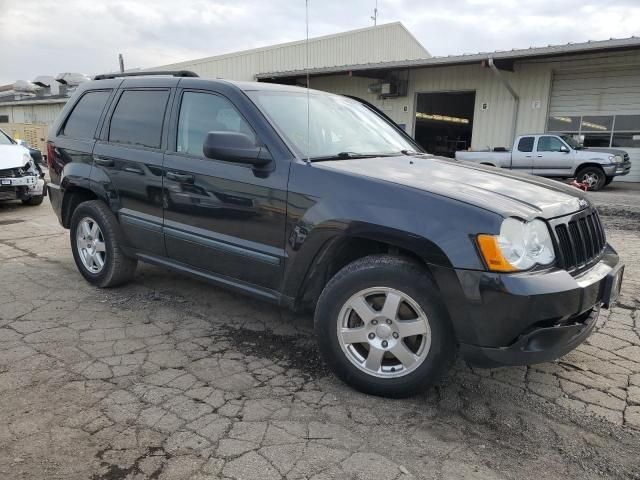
(514, 95)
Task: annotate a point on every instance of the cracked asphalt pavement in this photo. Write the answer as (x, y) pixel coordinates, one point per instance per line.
(171, 378)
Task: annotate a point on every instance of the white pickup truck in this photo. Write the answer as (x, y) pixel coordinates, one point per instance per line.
(559, 156)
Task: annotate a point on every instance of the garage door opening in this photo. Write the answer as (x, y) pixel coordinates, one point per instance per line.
(444, 121)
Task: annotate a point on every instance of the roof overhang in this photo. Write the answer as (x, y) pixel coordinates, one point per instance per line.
(41, 101)
(502, 59)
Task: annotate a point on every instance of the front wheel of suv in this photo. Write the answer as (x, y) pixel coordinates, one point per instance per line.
(96, 241)
(382, 328)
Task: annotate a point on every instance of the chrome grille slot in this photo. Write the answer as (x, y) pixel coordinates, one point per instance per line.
(580, 240)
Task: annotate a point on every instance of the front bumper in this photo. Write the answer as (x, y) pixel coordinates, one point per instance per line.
(22, 188)
(617, 169)
(522, 319)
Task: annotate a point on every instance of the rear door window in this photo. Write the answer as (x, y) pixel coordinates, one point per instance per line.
(138, 118)
(201, 113)
(525, 144)
(83, 121)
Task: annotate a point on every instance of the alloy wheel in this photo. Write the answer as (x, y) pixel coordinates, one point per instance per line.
(90, 245)
(384, 332)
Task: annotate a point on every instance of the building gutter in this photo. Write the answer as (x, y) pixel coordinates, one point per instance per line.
(514, 95)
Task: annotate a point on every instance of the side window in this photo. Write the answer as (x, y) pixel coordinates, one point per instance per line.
(549, 144)
(138, 118)
(83, 121)
(201, 113)
(525, 144)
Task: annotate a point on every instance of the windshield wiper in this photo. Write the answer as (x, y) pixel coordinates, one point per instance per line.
(348, 155)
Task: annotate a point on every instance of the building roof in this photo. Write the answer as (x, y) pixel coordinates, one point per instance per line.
(591, 46)
(381, 43)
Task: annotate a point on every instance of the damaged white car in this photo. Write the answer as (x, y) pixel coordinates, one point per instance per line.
(20, 176)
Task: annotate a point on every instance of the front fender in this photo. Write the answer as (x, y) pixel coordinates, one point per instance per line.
(335, 207)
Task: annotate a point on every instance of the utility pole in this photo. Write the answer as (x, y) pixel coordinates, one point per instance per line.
(121, 60)
(375, 15)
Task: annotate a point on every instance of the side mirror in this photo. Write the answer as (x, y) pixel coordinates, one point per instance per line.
(234, 147)
(564, 149)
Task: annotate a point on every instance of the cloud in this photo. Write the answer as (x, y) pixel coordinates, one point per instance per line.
(52, 36)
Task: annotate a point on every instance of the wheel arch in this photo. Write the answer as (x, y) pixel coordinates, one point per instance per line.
(340, 250)
(73, 196)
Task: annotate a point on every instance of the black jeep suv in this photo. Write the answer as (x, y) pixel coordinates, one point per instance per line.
(313, 200)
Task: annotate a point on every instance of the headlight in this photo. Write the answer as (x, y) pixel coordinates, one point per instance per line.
(520, 246)
(615, 158)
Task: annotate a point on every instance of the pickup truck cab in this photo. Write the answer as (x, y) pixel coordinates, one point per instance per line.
(558, 156)
(319, 202)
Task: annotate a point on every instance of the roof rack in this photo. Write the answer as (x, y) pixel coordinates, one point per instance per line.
(173, 73)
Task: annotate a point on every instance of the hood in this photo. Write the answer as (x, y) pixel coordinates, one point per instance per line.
(611, 151)
(496, 190)
(13, 156)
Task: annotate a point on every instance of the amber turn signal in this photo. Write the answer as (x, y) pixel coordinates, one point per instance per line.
(492, 255)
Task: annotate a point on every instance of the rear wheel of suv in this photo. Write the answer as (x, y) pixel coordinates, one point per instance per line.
(96, 241)
(382, 328)
(593, 177)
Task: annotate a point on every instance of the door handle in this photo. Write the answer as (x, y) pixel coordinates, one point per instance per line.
(180, 177)
(539, 156)
(528, 156)
(103, 162)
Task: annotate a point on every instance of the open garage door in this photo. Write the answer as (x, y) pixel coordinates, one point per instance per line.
(444, 121)
(601, 105)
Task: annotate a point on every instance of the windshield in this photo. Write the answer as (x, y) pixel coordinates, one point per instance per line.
(572, 142)
(5, 139)
(337, 125)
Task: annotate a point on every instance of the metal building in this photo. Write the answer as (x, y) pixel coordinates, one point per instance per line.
(382, 43)
(24, 116)
(481, 101)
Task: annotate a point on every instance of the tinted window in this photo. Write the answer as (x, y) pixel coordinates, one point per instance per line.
(628, 140)
(598, 123)
(549, 144)
(201, 113)
(627, 123)
(83, 121)
(561, 123)
(138, 117)
(525, 144)
(596, 139)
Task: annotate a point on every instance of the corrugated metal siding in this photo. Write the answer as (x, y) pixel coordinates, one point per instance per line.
(491, 127)
(383, 43)
(37, 114)
(614, 90)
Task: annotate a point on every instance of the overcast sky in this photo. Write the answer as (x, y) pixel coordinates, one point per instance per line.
(52, 36)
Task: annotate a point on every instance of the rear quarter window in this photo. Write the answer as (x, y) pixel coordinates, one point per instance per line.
(138, 118)
(83, 120)
(526, 144)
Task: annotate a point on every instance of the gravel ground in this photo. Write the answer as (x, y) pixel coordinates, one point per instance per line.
(170, 378)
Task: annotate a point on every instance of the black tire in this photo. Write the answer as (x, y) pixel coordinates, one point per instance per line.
(118, 268)
(409, 278)
(592, 174)
(608, 181)
(33, 201)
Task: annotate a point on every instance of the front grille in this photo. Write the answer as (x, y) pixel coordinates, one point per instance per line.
(11, 173)
(580, 240)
